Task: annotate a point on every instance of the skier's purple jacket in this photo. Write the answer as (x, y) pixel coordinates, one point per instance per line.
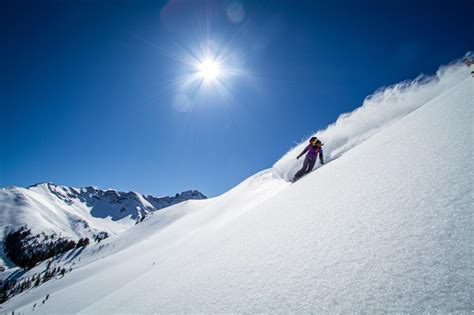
(313, 151)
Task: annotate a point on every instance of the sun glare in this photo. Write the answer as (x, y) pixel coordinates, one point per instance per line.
(209, 70)
(206, 75)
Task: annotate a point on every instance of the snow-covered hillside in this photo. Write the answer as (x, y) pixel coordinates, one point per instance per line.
(379, 110)
(77, 212)
(385, 227)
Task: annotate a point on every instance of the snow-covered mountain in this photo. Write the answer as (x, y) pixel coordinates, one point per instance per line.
(76, 213)
(385, 226)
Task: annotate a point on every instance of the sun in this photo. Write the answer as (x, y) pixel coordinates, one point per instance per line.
(209, 70)
(207, 74)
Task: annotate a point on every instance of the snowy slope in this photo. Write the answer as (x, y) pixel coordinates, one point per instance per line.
(385, 227)
(77, 212)
(379, 110)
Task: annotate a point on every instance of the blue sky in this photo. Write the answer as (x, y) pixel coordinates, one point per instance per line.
(107, 93)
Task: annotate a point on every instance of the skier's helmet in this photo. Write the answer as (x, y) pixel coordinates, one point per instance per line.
(313, 140)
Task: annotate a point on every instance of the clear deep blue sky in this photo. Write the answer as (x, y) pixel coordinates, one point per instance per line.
(91, 90)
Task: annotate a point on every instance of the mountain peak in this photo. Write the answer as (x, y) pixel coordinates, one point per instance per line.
(79, 212)
(41, 184)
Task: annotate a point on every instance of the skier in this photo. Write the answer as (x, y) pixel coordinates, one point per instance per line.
(314, 149)
(469, 62)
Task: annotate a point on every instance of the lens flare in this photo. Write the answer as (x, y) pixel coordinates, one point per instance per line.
(209, 67)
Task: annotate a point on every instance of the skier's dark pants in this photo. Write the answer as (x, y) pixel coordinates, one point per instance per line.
(308, 165)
